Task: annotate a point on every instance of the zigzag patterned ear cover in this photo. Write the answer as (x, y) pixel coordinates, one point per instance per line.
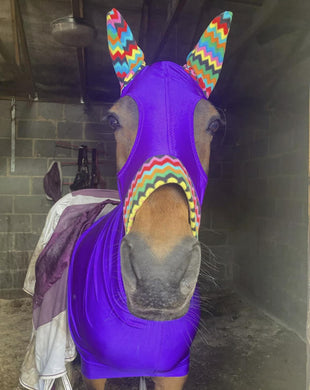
(204, 63)
(126, 55)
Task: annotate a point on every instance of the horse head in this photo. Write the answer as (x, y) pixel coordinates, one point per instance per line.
(163, 125)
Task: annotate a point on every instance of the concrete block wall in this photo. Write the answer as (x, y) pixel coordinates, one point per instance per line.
(218, 217)
(23, 204)
(270, 185)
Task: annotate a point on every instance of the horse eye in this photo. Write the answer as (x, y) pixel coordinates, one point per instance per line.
(213, 127)
(113, 122)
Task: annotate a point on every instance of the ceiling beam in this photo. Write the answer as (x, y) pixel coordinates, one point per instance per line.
(173, 20)
(198, 29)
(6, 94)
(287, 67)
(22, 50)
(78, 12)
(257, 3)
(260, 18)
(8, 59)
(15, 35)
(144, 29)
(231, 64)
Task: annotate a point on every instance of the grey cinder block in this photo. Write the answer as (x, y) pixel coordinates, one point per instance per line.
(36, 129)
(36, 204)
(14, 185)
(54, 111)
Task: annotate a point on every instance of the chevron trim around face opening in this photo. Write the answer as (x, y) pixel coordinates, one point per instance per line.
(156, 172)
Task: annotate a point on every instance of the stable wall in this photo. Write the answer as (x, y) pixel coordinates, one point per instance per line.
(254, 218)
(23, 204)
(218, 217)
(270, 186)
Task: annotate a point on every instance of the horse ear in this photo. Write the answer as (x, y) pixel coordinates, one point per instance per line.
(204, 63)
(126, 55)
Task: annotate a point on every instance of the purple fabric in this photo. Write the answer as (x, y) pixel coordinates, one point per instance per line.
(52, 182)
(53, 303)
(111, 341)
(56, 255)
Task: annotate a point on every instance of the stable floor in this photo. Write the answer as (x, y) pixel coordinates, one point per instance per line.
(237, 348)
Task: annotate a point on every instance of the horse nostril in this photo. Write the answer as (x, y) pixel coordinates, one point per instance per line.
(189, 278)
(129, 273)
(186, 286)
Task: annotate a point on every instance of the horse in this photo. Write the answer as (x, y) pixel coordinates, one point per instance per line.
(133, 304)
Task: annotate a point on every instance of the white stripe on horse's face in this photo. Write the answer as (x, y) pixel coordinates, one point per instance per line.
(124, 119)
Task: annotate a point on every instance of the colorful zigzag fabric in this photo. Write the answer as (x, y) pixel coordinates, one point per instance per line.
(204, 63)
(156, 172)
(126, 55)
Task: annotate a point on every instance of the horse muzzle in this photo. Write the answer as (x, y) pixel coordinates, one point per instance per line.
(159, 289)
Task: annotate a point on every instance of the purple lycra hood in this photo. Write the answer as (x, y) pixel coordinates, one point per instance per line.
(164, 150)
(166, 97)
